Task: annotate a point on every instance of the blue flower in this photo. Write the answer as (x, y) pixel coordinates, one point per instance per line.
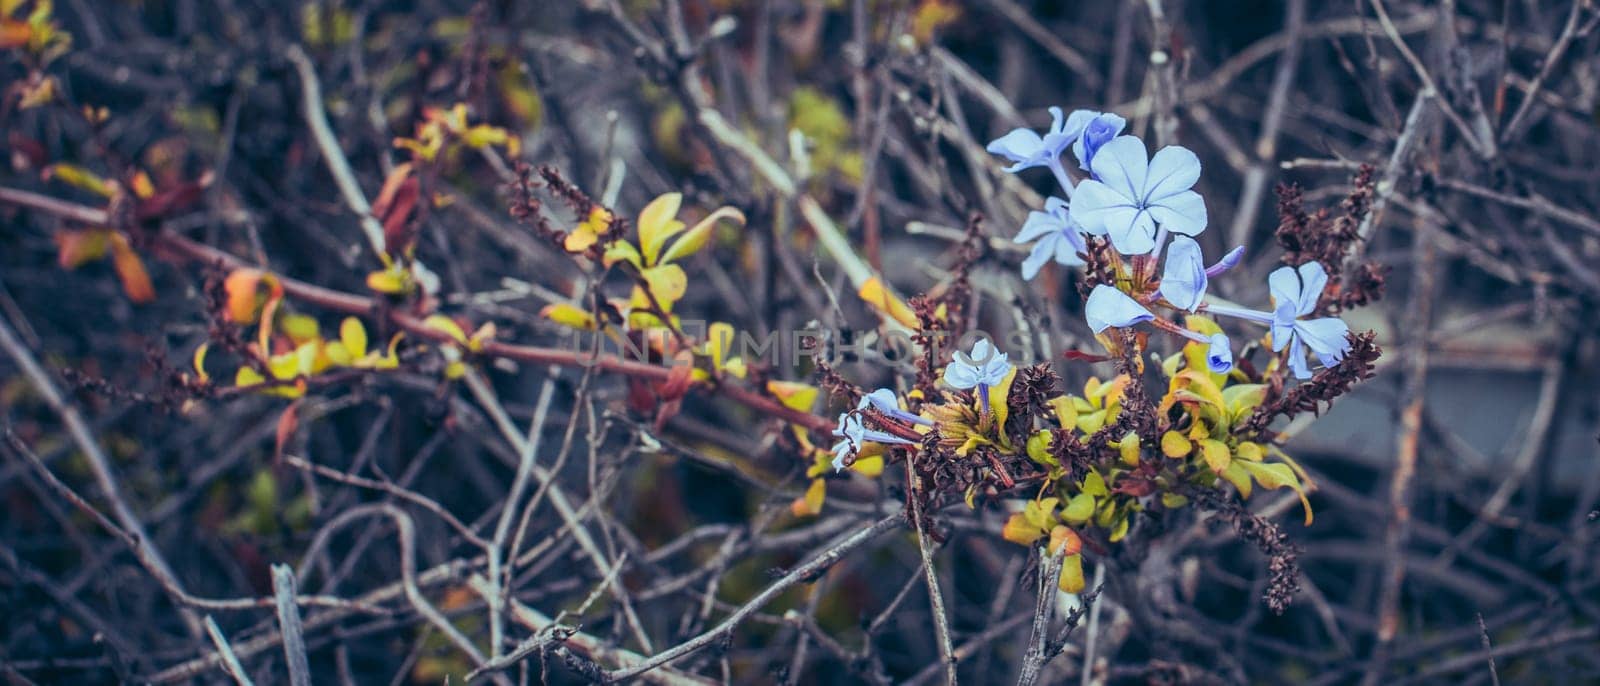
(1130, 194)
(1027, 149)
(1219, 356)
(854, 434)
(885, 401)
(1183, 282)
(1295, 294)
(1108, 307)
(1185, 277)
(1228, 261)
(1099, 131)
(983, 368)
(1056, 235)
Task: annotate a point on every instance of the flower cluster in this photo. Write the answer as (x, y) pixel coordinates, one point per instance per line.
(1140, 203)
(1093, 461)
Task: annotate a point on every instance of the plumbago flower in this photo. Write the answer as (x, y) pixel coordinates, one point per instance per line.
(1131, 194)
(1055, 236)
(1295, 293)
(1085, 130)
(1208, 431)
(1108, 307)
(1099, 131)
(855, 433)
(984, 368)
(1028, 149)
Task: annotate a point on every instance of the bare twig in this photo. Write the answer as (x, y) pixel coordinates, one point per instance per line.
(1044, 610)
(1546, 66)
(328, 143)
(816, 565)
(100, 467)
(289, 624)
(230, 661)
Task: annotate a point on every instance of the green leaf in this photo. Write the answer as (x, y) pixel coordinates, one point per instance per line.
(1079, 509)
(1094, 484)
(1039, 449)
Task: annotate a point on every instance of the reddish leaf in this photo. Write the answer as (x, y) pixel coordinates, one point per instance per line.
(288, 424)
(394, 207)
(172, 199)
(1079, 356)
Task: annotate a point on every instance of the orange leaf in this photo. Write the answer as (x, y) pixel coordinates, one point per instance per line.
(135, 280)
(13, 33)
(243, 289)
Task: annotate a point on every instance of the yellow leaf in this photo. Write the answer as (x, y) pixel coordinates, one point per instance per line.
(285, 366)
(200, 361)
(338, 354)
(719, 340)
(299, 327)
(810, 504)
(569, 315)
(658, 222)
(1216, 454)
(870, 467)
(1072, 580)
(142, 186)
(1249, 451)
(697, 236)
(1129, 449)
(998, 394)
(1277, 475)
(874, 293)
(1240, 478)
(439, 322)
(1066, 411)
(247, 377)
(793, 395)
(589, 232)
(1019, 530)
(354, 336)
(1174, 445)
(622, 251)
(74, 175)
(392, 281)
(667, 282)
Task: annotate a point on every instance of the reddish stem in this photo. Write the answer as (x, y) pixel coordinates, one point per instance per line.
(179, 248)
